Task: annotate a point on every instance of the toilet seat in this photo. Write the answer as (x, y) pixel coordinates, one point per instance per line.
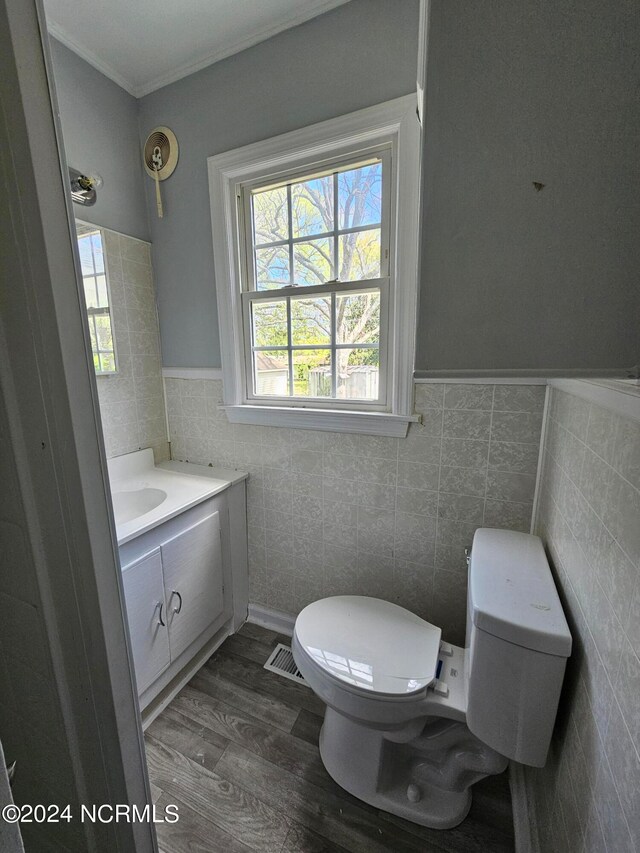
(369, 646)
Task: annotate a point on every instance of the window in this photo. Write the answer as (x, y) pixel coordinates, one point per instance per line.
(96, 294)
(315, 252)
(325, 236)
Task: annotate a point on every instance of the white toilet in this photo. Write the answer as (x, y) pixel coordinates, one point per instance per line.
(412, 722)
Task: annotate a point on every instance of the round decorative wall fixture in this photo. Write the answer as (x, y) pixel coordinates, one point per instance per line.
(160, 153)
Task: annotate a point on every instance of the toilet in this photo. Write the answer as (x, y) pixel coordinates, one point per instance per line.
(412, 721)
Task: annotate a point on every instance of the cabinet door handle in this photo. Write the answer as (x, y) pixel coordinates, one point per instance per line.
(160, 619)
(179, 608)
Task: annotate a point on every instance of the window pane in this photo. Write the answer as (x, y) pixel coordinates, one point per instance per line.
(101, 284)
(270, 216)
(271, 373)
(358, 371)
(359, 255)
(360, 196)
(108, 360)
(312, 373)
(270, 323)
(98, 259)
(312, 206)
(92, 334)
(313, 262)
(103, 333)
(311, 321)
(358, 318)
(272, 268)
(86, 258)
(301, 341)
(90, 294)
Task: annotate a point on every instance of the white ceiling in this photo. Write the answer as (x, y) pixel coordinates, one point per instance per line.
(145, 44)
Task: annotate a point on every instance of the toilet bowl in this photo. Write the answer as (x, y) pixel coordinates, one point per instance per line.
(413, 722)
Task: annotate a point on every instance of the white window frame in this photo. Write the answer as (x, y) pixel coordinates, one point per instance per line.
(394, 124)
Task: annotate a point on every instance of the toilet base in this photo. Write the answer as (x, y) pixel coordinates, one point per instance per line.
(425, 778)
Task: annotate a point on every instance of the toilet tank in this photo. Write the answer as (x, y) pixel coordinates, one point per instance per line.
(517, 645)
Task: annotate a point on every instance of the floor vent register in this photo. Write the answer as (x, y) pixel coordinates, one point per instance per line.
(281, 662)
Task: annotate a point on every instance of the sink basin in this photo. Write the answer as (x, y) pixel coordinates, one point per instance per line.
(133, 504)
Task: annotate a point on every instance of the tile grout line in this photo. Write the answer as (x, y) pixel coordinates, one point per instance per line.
(486, 480)
(437, 548)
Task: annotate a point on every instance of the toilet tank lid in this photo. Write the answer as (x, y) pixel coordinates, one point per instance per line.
(512, 594)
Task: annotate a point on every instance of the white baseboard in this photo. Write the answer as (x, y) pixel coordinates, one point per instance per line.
(524, 822)
(275, 620)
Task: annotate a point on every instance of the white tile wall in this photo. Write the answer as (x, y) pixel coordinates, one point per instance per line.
(333, 513)
(587, 797)
(132, 401)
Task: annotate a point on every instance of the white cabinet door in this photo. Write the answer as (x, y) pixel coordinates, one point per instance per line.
(192, 563)
(146, 613)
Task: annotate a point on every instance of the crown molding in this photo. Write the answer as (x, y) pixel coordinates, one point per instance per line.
(188, 68)
(100, 65)
(145, 87)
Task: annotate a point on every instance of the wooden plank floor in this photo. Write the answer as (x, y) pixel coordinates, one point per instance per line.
(237, 751)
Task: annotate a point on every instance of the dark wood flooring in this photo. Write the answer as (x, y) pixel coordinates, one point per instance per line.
(237, 752)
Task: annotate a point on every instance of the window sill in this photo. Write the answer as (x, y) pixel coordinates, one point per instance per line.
(329, 420)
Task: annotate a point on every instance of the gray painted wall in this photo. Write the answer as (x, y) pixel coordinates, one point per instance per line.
(357, 55)
(511, 277)
(100, 130)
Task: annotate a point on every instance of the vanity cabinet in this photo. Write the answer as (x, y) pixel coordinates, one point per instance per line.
(192, 566)
(181, 590)
(144, 594)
